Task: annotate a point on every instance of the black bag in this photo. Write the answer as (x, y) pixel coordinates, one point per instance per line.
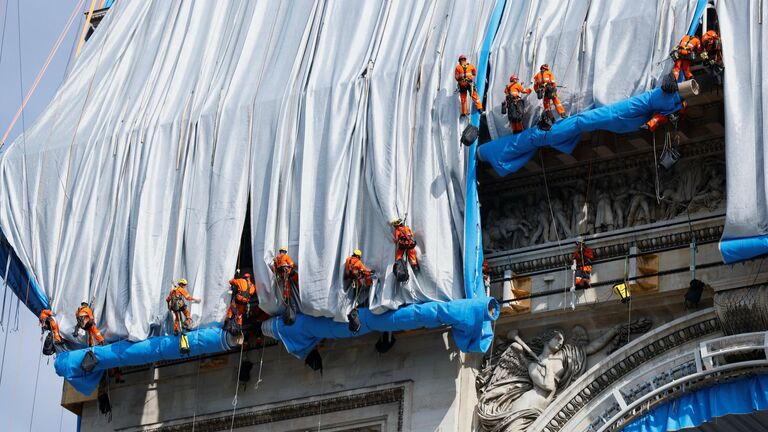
(401, 271)
(540, 93)
(105, 406)
(469, 135)
(546, 122)
(406, 242)
(550, 92)
(385, 343)
(289, 314)
(515, 112)
(177, 303)
(232, 328)
(245, 371)
(354, 321)
(89, 361)
(504, 106)
(314, 361)
(48, 348)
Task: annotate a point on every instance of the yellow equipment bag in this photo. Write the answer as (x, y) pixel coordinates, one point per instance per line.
(184, 344)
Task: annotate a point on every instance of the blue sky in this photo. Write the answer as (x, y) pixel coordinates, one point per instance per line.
(41, 22)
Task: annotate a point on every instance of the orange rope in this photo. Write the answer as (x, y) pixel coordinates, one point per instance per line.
(42, 70)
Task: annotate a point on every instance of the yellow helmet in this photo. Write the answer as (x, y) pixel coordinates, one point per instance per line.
(283, 249)
(358, 252)
(182, 281)
(396, 222)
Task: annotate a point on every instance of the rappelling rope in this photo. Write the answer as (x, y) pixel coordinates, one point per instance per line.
(62, 35)
(554, 224)
(5, 290)
(37, 378)
(237, 382)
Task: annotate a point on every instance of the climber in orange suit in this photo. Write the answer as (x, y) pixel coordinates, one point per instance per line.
(244, 293)
(85, 321)
(514, 92)
(465, 79)
(285, 271)
(684, 54)
(48, 323)
(176, 301)
(356, 272)
(710, 43)
(545, 85)
(405, 243)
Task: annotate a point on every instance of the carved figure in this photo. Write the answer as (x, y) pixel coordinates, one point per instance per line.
(516, 384)
(639, 207)
(604, 220)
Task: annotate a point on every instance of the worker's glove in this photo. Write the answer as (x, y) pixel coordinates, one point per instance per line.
(704, 55)
(674, 54)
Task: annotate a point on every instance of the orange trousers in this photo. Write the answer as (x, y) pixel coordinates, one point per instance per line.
(411, 255)
(463, 97)
(685, 65)
(237, 310)
(516, 127)
(54, 328)
(187, 319)
(558, 106)
(93, 333)
(286, 279)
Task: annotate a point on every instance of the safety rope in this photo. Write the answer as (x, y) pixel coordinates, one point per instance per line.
(2, 38)
(554, 225)
(237, 382)
(37, 378)
(43, 69)
(5, 290)
(5, 342)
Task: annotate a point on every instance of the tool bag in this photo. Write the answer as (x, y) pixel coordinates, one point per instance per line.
(400, 269)
(469, 135)
(177, 303)
(540, 93)
(515, 110)
(550, 91)
(545, 122)
(289, 314)
(89, 361)
(48, 348)
(354, 321)
(669, 155)
(184, 344)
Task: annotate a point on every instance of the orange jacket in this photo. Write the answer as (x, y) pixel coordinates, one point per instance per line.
(245, 289)
(402, 231)
(515, 90)
(44, 315)
(583, 256)
(354, 267)
(465, 73)
(283, 260)
(689, 45)
(542, 79)
(179, 291)
(86, 312)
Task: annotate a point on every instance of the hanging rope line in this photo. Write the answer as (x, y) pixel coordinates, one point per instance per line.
(2, 38)
(19, 112)
(37, 378)
(237, 384)
(5, 292)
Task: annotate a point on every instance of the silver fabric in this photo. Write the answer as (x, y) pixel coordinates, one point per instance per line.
(333, 116)
(600, 51)
(745, 43)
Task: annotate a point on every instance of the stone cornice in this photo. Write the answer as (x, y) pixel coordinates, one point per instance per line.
(248, 417)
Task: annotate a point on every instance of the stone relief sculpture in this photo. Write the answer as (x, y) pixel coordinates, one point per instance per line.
(516, 384)
(615, 201)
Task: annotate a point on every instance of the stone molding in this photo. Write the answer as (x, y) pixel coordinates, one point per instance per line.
(248, 417)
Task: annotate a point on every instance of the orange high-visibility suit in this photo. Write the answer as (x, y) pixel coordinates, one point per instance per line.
(402, 231)
(583, 256)
(545, 81)
(246, 290)
(176, 303)
(84, 316)
(285, 269)
(487, 277)
(711, 45)
(515, 91)
(685, 53)
(660, 119)
(465, 76)
(357, 272)
(48, 323)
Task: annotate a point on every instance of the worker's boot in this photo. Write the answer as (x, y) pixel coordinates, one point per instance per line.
(187, 324)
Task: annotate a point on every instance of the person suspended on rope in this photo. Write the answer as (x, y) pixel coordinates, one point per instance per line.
(85, 321)
(660, 119)
(684, 54)
(486, 277)
(712, 55)
(287, 277)
(360, 279)
(47, 323)
(545, 85)
(582, 258)
(244, 303)
(177, 304)
(465, 74)
(514, 104)
(406, 244)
